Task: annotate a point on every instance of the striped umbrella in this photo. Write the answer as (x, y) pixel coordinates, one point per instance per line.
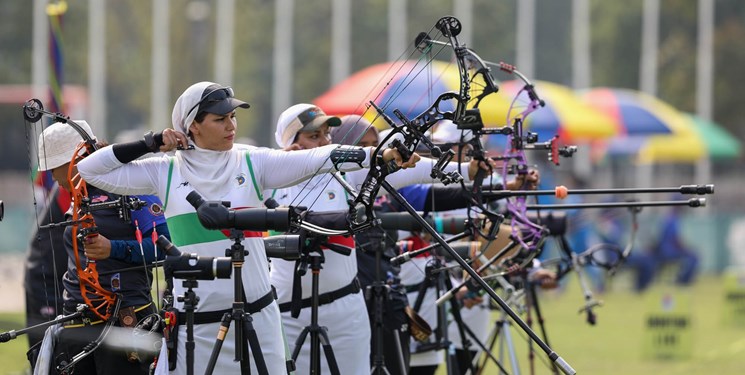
(564, 113)
(720, 144)
(409, 86)
(651, 129)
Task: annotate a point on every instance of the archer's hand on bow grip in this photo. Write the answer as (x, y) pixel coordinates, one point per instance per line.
(480, 168)
(527, 181)
(97, 247)
(392, 154)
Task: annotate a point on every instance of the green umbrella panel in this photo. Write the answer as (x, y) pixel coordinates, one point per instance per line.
(719, 142)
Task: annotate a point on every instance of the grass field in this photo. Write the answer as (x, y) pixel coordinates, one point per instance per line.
(615, 345)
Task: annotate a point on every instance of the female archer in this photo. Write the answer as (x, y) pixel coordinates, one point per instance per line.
(113, 245)
(216, 168)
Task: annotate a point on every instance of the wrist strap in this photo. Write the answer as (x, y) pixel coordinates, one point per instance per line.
(150, 142)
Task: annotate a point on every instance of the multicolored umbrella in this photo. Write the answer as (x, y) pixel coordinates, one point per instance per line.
(707, 139)
(672, 148)
(651, 129)
(564, 113)
(409, 86)
(720, 144)
(635, 112)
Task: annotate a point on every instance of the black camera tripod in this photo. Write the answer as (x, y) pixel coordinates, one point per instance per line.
(379, 293)
(313, 256)
(244, 329)
(190, 301)
(436, 276)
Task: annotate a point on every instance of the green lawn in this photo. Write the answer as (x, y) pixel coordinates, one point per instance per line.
(613, 346)
(13, 353)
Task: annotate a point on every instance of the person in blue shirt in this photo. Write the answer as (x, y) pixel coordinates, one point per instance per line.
(671, 248)
(121, 263)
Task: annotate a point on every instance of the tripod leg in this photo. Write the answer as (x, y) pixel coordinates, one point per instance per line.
(240, 343)
(299, 343)
(492, 339)
(506, 340)
(253, 342)
(473, 362)
(221, 333)
(442, 323)
(328, 351)
(539, 316)
(455, 309)
(400, 351)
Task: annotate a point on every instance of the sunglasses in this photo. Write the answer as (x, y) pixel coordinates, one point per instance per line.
(214, 96)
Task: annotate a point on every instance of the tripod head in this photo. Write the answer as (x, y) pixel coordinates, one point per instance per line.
(316, 243)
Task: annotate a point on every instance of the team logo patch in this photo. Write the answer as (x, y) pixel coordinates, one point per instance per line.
(116, 282)
(156, 209)
(100, 198)
(240, 179)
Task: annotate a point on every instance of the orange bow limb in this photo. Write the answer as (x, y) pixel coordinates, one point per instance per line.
(100, 300)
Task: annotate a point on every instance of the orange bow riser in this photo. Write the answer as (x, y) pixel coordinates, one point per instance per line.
(100, 300)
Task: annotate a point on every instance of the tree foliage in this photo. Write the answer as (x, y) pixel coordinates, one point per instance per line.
(615, 39)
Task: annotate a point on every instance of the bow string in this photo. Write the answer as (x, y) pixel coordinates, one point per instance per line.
(100, 300)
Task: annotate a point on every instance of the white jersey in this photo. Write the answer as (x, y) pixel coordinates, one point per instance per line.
(161, 176)
(346, 319)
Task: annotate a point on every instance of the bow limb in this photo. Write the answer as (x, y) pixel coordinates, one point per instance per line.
(99, 299)
(92, 346)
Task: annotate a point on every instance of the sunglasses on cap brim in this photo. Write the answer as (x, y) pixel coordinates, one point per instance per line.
(214, 96)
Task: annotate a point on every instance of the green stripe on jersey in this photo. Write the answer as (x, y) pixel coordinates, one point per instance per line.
(187, 230)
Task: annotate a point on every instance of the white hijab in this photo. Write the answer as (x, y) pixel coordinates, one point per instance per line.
(209, 172)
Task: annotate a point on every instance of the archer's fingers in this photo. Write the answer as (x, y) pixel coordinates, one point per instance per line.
(398, 159)
(173, 139)
(169, 139)
(534, 178)
(485, 165)
(412, 161)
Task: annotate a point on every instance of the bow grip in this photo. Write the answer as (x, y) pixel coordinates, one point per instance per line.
(402, 150)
